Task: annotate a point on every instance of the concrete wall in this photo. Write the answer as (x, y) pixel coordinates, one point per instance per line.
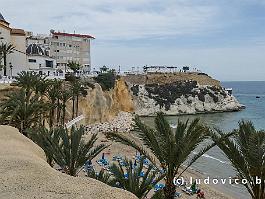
(18, 59)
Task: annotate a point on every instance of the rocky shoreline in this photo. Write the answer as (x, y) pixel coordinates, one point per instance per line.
(121, 123)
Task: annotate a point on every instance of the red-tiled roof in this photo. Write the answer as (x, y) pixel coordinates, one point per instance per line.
(72, 35)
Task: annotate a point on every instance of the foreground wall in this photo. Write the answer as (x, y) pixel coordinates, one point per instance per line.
(24, 173)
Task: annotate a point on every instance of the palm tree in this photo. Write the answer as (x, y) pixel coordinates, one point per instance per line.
(53, 94)
(42, 137)
(246, 151)
(77, 88)
(75, 66)
(170, 147)
(22, 110)
(6, 49)
(66, 95)
(28, 80)
(71, 152)
(102, 176)
(135, 178)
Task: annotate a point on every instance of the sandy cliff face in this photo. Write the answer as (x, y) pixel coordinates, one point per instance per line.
(25, 174)
(100, 106)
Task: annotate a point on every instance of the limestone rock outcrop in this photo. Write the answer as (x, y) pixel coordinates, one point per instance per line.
(181, 97)
(24, 174)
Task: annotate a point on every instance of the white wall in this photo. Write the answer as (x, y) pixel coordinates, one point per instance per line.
(17, 59)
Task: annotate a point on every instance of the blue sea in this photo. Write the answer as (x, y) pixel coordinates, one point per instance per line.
(214, 163)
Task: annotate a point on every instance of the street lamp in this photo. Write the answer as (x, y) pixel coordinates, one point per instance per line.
(11, 68)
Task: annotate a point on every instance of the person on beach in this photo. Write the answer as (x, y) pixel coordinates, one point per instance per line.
(200, 194)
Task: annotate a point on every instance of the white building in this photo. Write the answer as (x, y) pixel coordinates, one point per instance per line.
(65, 47)
(40, 62)
(47, 55)
(16, 37)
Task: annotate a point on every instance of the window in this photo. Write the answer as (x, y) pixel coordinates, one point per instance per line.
(70, 46)
(32, 60)
(49, 63)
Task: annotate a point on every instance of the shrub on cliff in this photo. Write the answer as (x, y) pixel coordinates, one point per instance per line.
(106, 80)
(165, 95)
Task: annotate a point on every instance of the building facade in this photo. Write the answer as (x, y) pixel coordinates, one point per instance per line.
(16, 61)
(45, 54)
(65, 47)
(40, 62)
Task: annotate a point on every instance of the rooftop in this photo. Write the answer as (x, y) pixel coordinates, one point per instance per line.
(1, 17)
(73, 35)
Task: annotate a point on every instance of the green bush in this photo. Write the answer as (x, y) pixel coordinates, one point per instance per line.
(106, 80)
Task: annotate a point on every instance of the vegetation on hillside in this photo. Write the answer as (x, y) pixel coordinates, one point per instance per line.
(106, 78)
(40, 98)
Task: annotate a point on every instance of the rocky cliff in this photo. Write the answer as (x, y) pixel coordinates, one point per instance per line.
(26, 174)
(102, 106)
(173, 94)
(178, 94)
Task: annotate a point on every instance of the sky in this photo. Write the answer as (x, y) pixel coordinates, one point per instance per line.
(224, 38)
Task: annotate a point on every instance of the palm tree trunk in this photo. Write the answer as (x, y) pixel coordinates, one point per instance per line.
(73, 107)
(51, 117)
(77, 101)
(58, 111)
(170, 188)
(63, 116)
(5, 63)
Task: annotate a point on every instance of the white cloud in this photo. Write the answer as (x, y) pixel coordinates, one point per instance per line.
(116, 19)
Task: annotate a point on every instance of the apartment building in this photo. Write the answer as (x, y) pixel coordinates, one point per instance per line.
(65, 47)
